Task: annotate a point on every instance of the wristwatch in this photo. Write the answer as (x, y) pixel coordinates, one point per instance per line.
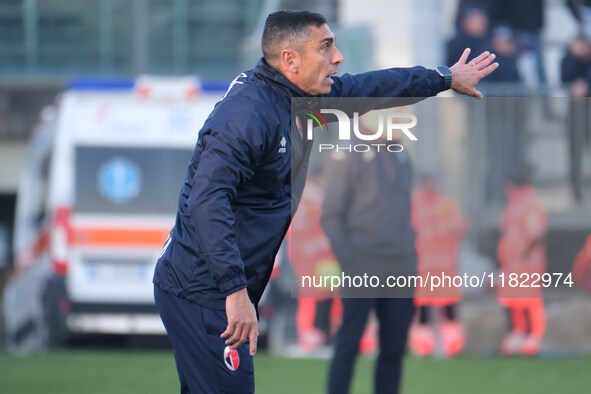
(445, 73)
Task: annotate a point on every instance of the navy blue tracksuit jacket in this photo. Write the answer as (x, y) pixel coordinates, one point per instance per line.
(241, 187)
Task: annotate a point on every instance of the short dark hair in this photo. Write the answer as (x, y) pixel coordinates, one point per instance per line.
(287, 27)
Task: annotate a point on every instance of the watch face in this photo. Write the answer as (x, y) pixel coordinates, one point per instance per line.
(444, 71)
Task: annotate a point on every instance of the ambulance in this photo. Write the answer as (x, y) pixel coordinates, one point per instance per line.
(96, 202)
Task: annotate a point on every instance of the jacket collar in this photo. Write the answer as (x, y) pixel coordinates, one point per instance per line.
(266, 72)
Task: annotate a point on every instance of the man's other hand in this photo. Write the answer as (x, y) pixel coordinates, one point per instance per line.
(242, 321)
(465, 75)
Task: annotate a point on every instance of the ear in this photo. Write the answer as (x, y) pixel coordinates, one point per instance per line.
(290, 60)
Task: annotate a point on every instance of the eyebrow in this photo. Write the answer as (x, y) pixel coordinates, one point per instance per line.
(328, 40)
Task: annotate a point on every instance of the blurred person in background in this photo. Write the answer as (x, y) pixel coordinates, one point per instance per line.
(576, 73)
(440, 226)
(475, 28)
(319, 313)
(472, 32)
(310, 253)
(522, 255)
(526, 19)
(505, 126)
(504, 46)
(366, 217)
(463, 6)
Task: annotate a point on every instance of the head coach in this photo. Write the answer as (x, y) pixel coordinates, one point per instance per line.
(236, 203)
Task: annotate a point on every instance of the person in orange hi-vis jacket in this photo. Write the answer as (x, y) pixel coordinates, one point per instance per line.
(440, 226)
(310, 253)
(522, 254)
(582, 266)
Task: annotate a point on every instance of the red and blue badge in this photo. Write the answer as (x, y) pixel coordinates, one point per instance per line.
(231, 358)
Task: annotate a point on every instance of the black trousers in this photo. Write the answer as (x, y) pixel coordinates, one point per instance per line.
(394, 316)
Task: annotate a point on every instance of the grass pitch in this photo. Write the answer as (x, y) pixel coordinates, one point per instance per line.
(129, 372)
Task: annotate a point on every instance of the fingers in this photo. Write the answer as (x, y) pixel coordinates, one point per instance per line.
(464, 57)
(229, 330)
(253, 337)
(480, 57)
(485, 62)
(242, 320)
(474, 93)
(467, 75)
(489, 69)
(236, 337)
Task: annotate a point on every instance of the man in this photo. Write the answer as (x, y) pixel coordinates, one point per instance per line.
(440, 226)
(236, 203)
(576, 72)
(367, 218)
(312, 253)
(522, 253)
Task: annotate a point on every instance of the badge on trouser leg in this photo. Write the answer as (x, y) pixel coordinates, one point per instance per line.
(231, 358)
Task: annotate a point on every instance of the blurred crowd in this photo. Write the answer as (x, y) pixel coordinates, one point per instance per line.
(513, 31)
(510, 29)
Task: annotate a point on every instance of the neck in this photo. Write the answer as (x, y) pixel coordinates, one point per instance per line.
(279, 76)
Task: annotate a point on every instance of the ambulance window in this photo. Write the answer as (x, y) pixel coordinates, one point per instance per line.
(129, 179)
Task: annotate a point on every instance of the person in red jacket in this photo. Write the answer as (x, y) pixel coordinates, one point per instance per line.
(440, 226)
(318, 312)
(310, 254)
(522, 253)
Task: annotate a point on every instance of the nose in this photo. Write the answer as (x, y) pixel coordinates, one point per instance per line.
(337, 57)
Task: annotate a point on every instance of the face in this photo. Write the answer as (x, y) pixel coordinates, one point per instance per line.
(476, 24)
(316, 61)
(503, 46)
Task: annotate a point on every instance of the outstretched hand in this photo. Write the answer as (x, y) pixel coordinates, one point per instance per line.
(467, 74)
